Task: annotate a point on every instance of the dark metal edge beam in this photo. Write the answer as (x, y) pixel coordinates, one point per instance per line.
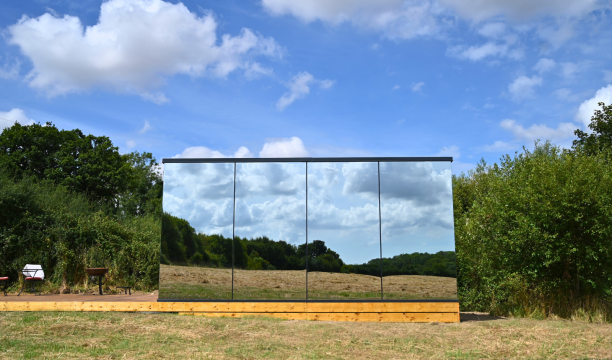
(327, 159)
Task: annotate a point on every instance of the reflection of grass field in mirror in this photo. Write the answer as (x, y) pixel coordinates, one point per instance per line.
(181, 282)
(186, 282)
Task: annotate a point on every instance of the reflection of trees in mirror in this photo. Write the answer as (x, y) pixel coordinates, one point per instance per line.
(182, 245)
(441, 263)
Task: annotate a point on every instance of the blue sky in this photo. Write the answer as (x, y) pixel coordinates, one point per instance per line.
(464, 78)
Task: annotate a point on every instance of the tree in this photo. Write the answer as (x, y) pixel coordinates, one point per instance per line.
(601, 137)
(145, 186)
(85, 164)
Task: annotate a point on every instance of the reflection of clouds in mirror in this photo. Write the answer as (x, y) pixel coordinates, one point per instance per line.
(347, 223)
(417, 207)
(201, 194)
(261, 179)
(271, 201)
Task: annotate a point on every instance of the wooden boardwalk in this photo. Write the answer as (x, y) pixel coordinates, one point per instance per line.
(327, 311)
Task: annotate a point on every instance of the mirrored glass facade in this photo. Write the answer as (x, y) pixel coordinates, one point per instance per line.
(270, 231)
(343, 230)
(418, 241)
(197, 224)
(371, 229)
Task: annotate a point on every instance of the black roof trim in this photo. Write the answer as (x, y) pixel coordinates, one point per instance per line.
(306, 159)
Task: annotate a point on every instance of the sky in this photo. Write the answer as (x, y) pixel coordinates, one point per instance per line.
(416, 213)
(469, 79)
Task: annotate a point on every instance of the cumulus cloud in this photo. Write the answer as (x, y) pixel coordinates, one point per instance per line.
(132, 48)
(476, 53)
(479, 10)
(522, 87)
(404, 19)
(202, 194)
(204, 152)
(534, 132)
(393, 18)
(285, 147)
(588, 107)
(16, 115)
(543, 65)
(299, 87)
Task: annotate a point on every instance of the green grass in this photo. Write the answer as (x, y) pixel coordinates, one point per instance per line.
(74, 335)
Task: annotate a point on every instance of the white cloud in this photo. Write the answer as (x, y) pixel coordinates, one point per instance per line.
(607, 76)
(130, 144)
(393, 18)
(204, 152)
(256, 70)
(291, 147)
(156, 98)
(522, 87)
(557, 34)
(299, 87)
(543, 65)
(479, 10)
(588, 107)
(489, 49)
(569, 69)
(418, 86)
(493, 30)
(8, 118)
(145, 128)
(396, 87)
(132, 48)
(542, 132)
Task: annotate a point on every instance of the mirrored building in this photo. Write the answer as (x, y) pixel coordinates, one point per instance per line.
(300, 229)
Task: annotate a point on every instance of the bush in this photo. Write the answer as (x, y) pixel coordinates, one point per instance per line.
(533, 233)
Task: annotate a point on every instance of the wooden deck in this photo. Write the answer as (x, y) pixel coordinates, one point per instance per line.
(327, 311)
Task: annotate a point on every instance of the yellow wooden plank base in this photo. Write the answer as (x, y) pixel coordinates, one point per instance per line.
(331, 311)
(366, 317)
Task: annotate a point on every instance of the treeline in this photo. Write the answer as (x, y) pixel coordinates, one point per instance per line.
(441, 263)
(182, 245)
(533, 233)
(70, 201)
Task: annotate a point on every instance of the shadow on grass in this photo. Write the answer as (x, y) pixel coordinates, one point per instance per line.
(476, 316)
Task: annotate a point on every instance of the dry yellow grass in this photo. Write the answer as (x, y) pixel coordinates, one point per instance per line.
(276, 284)
(169, 336)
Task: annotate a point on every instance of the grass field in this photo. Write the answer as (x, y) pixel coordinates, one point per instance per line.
(183, 282)
(51, 335)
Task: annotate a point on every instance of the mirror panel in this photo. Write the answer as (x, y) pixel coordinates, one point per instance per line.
(418, 243)
(198, 203)
(343, 231)
(270, 231)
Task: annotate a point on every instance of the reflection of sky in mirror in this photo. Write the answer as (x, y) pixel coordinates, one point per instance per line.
(343, 209)
(271, 201)
(202, 194)
(417, 207)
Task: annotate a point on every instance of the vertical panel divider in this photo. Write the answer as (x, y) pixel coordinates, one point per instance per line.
(380, 235)
(306, 230)
(233, 230)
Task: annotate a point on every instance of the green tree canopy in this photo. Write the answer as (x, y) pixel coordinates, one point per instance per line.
(601, 137)
(85, 164)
